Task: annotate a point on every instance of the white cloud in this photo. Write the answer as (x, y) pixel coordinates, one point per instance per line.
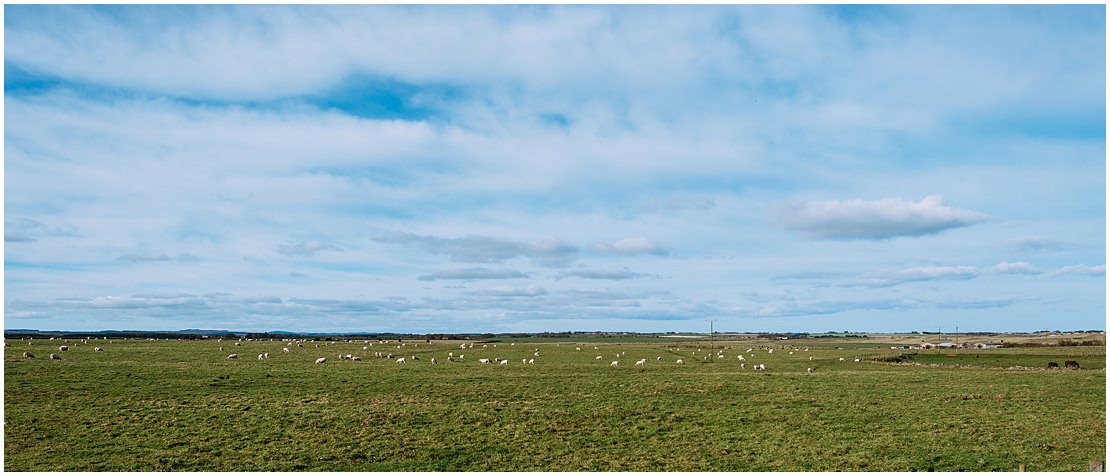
(548, 251)
(144, 257)
(1081, 269)
(871, 219)
(916, 274)
(1019, 267)
(611, 274)
(474, 273)
(306, 248)
(633, 246)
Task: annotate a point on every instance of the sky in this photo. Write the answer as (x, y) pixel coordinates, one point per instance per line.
(555, 168)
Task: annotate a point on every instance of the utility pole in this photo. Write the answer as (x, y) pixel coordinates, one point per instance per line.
(711, 338)
(957, 339)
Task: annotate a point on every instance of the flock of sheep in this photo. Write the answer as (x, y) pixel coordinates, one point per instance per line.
(451, 357)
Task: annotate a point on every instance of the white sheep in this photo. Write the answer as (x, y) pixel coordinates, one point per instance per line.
(285, 349)
(365, 348)
(524, 361)
(321, 360)
(401, 360)
(577, 348)
(770, 351)
(434, 360)
(483, 361)
(741, 366)
(461, 356)
(356, 358)
(233, 356)
(857, 359)
(503, 362)
(842, 359)
(740, 358)
(614, 364)
(98, 349)
(537, 354)
(597, 358)
(63, 348)
(809, 370)
(531, 361)
(680, 362)
(260, 357)
(641, 362)
(657, 359)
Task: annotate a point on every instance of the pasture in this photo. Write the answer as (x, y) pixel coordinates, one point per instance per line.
(183, 405)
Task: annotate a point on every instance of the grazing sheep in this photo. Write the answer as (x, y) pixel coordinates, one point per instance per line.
(450, 354)
(680, 362)
(641, 362)
(657, 359)
(809, 370)
(597, 358)
(98, 349)
(462, 346)
(577, 348)
(450, 359)
(483, 361)
(503, 362)
(537, 354)
(321, 360)
(55, 357)
(265, 355)
(415, 358)
(63, 348)
(285, 349)
(260, 357)
(614, 364)
(524, 361)
(741, 366)
(740, 358)
(759, 367)
(857, 359)
(770, 351)
(531, 361)
(365, 348)
(390, 356)
(356, 358)
(434, 360)
(595, 347)
(791, 352)
(401, 360)
(237, 344)
(842, 359)
(461, 356)
(811, 357)
(233, 356)
(28, 355)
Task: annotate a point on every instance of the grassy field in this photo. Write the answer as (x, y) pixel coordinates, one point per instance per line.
(182, 405)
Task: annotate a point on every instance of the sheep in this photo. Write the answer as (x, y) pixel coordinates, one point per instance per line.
(595, 347)
(63, 348)
(657, 359)
(741, 366)
(537, 354)
(462, 346)
(531, 361)
(461, 356)
(811, 357)
(857, 359)
(434, 360)
(641, 362)
(285, 349)
(365, 348)
(809, 370)
(680, 362)
(321, 360)
(597, 358)
(55, 357)
(503, 362)
(401, 360)
(450, 354)
(28, 355)
(238, 345)
(770, 351)
(260, 357)
(483, 361)
(450, 359)
(415, 358)
(524, 361)
(233, 356)
(266, 355)
(356, 358)
(578, 349)
(740, 358)
(791, 352)
(390, 356)
(97, 349)
(842, 359)
(614, 364)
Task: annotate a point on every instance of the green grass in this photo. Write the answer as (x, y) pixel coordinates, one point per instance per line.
(173, 405)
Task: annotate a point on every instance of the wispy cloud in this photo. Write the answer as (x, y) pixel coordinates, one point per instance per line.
(633, 246)
(144, 257)
(306, 248)
(611, 274)
(474, 273)
(1035, 244)
(871, 219)
(1081, 269)
(1019, 267)
(486, 249)
(916, 274)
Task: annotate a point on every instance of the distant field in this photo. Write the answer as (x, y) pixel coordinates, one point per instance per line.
(182, 405)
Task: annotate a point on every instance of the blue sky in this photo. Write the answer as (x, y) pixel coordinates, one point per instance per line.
(545, 168)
